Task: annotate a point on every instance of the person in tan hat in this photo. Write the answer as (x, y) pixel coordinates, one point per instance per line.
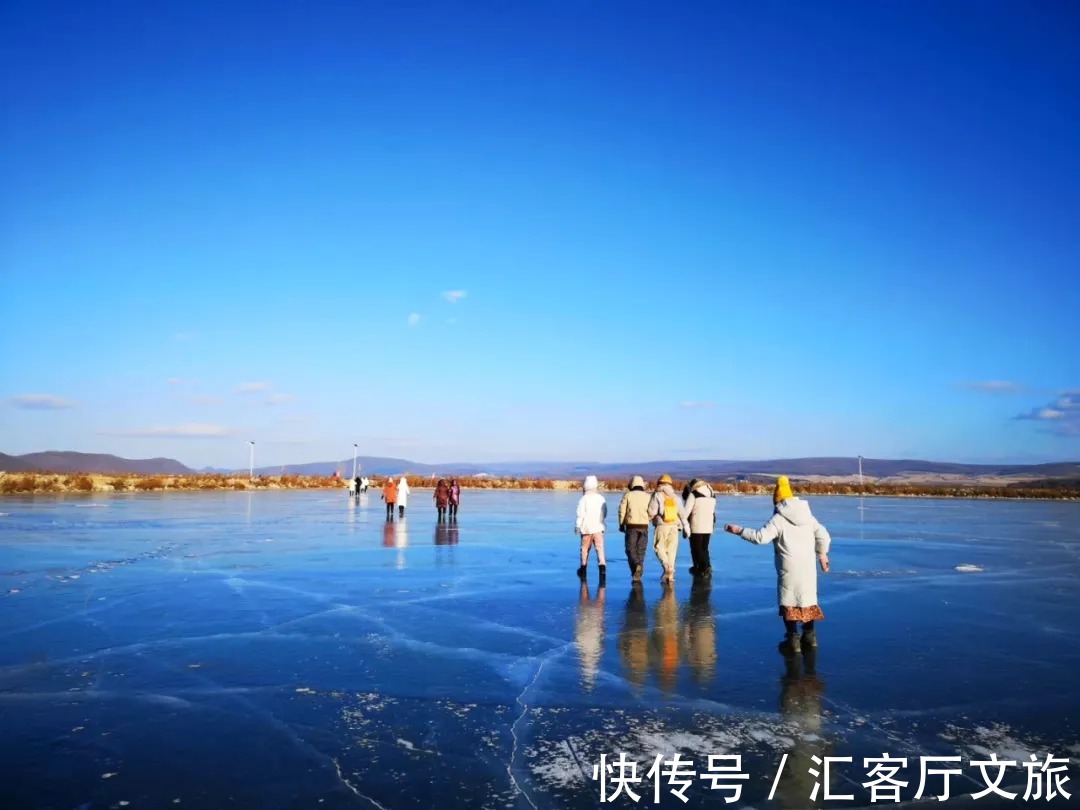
(668, 513)
(797, 538)
(634, 524)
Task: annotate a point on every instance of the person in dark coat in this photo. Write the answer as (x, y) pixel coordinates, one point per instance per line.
(442, 498)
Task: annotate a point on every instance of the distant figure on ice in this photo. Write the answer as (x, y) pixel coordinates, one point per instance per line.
(402, 496)
(442, 498)
(668, 514)
(591, 513)
(634, 524)
(455, 497)
(352, 487)
(358, 485)
(389, 494)
(797, 537)
(701, 515)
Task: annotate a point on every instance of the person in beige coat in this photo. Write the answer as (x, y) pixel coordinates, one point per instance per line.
(634, 524)
(797, 538)
(701, 515)
(668, 514)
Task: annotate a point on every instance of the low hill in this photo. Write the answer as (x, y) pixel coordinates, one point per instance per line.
(70, 462)
(15, 464)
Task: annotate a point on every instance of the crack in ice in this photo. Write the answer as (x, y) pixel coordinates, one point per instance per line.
(525, 710)
(350, 786)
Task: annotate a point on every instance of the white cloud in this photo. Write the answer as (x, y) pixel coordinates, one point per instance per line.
(702, 404)
(453, 296)
(279, 399)
(994, 386)
(414, 319)
(1062, 415)
(184, 336)
(451, 321)
(42, 402)
(253, 388)
(188, 430)
(176, 381)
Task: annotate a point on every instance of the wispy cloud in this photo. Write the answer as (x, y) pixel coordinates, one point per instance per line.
(188, 430)
(253, 388)
(701, 404)
(993, 386)
(414, 319)
(1062, 416)
(280, 399)
(184, 336)
(176, 381)
(42, 402)
(453, 296)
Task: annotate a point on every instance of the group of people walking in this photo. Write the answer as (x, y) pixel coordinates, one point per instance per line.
(358, 486)
(447, 497)
(797, 537)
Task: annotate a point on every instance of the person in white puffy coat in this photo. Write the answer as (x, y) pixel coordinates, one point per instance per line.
(591, 514)
(797, 538)
(402, 496)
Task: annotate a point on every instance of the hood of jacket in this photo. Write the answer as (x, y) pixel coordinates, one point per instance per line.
(667, 489)
(591, 483)
(703, 489)
(637, 482)
(795, 511)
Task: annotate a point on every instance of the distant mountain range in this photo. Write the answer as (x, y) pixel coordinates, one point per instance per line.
(68, 462)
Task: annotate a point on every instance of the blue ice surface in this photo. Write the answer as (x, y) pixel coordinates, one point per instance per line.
(292, 649)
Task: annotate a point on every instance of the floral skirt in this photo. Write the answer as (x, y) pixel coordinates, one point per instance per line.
(801, 614)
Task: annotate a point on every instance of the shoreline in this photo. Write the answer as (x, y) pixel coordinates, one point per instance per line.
(97, 483)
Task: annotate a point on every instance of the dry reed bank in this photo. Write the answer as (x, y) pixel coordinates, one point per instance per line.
(16, 483)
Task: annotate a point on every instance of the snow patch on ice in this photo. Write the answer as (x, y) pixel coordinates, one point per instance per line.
(968, 568)
(997, 738)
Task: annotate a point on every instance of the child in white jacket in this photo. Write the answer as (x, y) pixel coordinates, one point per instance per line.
(591, 512)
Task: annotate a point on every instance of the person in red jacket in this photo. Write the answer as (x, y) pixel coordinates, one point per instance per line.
(389, 494)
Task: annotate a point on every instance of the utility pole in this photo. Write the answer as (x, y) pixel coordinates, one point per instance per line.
(354, 448)
(860, 471)
(251, 461)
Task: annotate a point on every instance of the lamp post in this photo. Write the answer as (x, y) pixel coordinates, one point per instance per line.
(354, 448)
(251, 461)
(860, 471)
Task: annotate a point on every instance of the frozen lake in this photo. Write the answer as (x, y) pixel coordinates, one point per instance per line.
(291, 649)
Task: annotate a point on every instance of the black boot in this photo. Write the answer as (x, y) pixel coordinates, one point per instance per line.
(581, 572)
(603, 572)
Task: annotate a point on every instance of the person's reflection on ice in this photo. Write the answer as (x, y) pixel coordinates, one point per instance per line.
(388, 535)
(634, 637)
(699, 631)
(801, 692)
(589, 633)
(664, 640)
(442, 534)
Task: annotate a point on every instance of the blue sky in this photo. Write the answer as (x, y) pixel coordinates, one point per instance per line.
(488, 231)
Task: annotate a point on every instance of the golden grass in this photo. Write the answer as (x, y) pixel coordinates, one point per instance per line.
(19, 483)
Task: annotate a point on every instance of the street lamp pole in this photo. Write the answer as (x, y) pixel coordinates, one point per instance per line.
(251, 461)
(354, 449)
(860, 471)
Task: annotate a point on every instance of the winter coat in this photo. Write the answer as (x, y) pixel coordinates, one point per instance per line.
(455, 494)
(656, 507)
(403, 492)
(442, 495)
(389, 491)
(797, 539)
(352, 485)
(634, 509)
(591, 513)
(701, 509)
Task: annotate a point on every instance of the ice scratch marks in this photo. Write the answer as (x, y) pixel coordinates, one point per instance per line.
(524, 711)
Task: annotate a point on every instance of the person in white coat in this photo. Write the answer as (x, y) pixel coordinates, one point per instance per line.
(591, 513)
(402, 496)
(797, 537)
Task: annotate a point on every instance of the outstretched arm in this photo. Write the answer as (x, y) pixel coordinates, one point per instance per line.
(580, 515)
(759, 537)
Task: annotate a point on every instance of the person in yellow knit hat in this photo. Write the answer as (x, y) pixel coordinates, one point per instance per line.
(797, 537)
